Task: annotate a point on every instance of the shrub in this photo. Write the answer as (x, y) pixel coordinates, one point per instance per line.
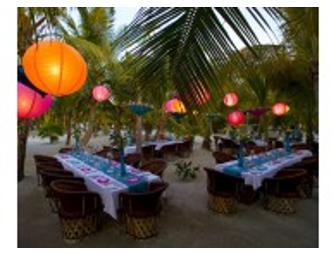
(185, 170)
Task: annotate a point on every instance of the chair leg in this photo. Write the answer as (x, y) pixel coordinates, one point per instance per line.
(280, 205)
(75, 230)
(223, 205)
(142, 227)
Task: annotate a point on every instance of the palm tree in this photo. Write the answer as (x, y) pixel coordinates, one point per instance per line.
(197, 40)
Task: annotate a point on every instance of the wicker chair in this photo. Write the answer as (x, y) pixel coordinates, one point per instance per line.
(168, 151)
(282, 191)
(65, 150)
(79, 210)
(49, 174)
(184, 149)
(45, 160)
(133, 159)
(141, 210)
(148, 152)
(155, 166)
(274, 142)
(255, 149)
(228, 146)
(222, 157)
(222, 191)
(311, 166)
(301, 147)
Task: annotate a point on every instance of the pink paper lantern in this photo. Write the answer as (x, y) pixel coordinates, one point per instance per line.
(101, 93)
(230, 99)
(235, 118)
(30, 103)
(280, 109)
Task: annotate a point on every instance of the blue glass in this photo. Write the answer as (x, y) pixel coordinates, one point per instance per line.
(241, 155)
(122, 162)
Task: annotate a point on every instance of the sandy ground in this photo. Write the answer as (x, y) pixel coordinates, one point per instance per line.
(185, 220)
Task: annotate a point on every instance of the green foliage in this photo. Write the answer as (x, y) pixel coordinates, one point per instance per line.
(53, 131)
(185, 170)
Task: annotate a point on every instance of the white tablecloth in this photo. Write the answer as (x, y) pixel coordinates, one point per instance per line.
(257, 141)
(107, 187)
(255, 177)
(158, 145)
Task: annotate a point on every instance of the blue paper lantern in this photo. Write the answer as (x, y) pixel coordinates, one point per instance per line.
(140, 109)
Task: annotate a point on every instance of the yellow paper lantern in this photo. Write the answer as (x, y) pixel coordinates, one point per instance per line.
(55, 67)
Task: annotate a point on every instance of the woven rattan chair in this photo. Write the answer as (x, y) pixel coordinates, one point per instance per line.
(49, 174)
(106, 151)
(255, 149)
(311, 166)
(155, 166)
(79, 210)
(168, 151)
(45, 160)
(223, 191)
(282, 191)
(141, 210)
(272, 142)
(302, 146)
(133, 159)
(65, 150)
(228, 146)
(222, 157)
(184, 149)
(147, 152)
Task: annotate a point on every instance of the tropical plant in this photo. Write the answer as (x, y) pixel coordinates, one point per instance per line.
(50, 130)
(185, 170)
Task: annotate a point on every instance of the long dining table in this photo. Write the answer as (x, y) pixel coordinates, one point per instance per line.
(105, 177)
(259, 167)
(158, 145)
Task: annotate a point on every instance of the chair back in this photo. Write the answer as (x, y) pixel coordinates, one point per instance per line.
(219, 182)
(148, 151)
(74, 200)
(65, 150)
(133, 159)
(285, 182)
(227, 144)
(222, 157)
(47, 159)
(155, 166)
(255, 149)
(143, 204)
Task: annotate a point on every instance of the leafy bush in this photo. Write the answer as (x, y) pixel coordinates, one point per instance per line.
(53, 131)
(185, 170)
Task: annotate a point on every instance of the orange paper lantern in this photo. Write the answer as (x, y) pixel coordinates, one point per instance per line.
(55, 67)
(280, 109)
(230, 99)
(175, 106)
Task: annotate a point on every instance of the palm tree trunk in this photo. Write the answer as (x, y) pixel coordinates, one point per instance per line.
(138, 134)
(160, 127)
(90, 130)
(23, 132)
(68, 132)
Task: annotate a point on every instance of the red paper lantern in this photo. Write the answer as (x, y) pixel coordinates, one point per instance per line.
(235, 118)
(55, 67)
(30, 103)
(280, 109)
(101, 93)
(230, 99)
